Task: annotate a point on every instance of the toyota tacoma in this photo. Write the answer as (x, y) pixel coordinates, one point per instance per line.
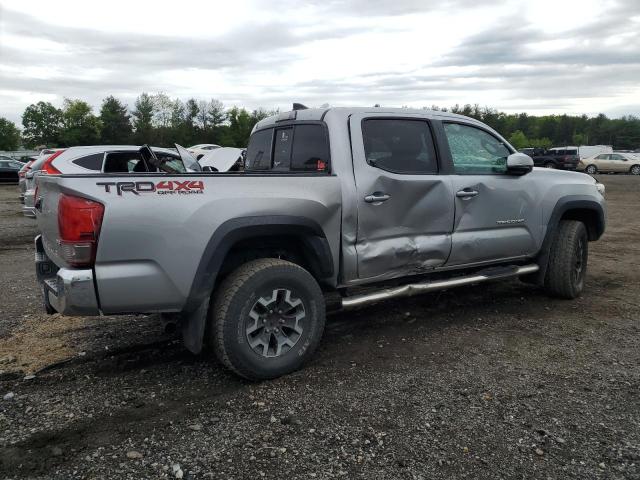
(335, 208)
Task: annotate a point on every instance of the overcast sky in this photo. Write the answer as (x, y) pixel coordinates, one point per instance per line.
(538, 56)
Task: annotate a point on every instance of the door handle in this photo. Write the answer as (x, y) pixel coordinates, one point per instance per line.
(466, 193)
(376, 197)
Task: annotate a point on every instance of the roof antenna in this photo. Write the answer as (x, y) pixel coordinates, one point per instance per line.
(299, 106)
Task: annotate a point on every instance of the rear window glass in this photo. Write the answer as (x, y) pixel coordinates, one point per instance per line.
(91, 162)
(300, 148)
(124, 162)
(259, 150)
(282, 148)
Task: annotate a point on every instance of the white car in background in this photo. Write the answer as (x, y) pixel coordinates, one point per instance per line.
(201, 149)
(616, 162)
(106, 159)
(224, 159)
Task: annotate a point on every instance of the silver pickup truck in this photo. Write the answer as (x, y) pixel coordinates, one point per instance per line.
(352, 205)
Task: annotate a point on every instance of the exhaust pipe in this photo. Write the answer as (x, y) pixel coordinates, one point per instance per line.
(424, 287)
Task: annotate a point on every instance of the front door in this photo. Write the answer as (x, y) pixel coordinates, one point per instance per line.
(405, 208)
(495, 213)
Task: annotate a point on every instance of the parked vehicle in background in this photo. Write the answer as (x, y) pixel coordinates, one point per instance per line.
(105, 159)
(400, 201)
(617, 162)
(588, 151)
(201, 149)
(9, 169)
(225, 159)
(548, 159)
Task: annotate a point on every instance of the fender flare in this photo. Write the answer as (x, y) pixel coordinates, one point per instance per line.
(223, 239)
(562, 206)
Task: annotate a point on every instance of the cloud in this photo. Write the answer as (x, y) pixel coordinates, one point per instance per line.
(358, 52)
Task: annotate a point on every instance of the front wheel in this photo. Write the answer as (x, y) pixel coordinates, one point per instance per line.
(568, 256)
(592, 169)
(635, 170)
(550, 165)
(267, 319)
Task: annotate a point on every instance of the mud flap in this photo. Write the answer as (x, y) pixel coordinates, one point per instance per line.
(193, 325)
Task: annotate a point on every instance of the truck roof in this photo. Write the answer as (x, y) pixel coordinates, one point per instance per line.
(316, 114)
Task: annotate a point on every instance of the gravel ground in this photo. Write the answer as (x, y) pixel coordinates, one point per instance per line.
(497, 381)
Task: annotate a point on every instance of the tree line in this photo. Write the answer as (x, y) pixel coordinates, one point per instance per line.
(162, 121)
(154, 119)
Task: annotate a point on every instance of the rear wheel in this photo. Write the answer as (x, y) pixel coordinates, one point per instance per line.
(550, 165)
(568, 256)
(267, 319)
(591, 169)
(635, 170)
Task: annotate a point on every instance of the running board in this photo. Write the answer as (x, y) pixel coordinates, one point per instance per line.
(424, 287)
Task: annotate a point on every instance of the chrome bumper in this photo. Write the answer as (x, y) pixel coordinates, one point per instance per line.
(65, 290)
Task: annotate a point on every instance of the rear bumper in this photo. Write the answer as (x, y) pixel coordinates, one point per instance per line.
(65, 290)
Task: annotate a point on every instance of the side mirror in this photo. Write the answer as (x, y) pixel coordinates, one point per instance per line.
(519, 164)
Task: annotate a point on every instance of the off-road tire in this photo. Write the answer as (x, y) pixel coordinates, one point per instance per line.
(235, 299)
(568, 256)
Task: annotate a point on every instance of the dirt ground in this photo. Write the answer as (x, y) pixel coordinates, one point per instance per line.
(492, 382)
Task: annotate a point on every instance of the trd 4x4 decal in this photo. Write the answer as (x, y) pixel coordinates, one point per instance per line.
(165, 187)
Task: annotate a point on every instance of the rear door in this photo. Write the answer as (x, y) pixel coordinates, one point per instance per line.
(404, 204)
(496, 214)
(618, 163)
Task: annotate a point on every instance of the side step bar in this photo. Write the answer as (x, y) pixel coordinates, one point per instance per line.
(431, 286)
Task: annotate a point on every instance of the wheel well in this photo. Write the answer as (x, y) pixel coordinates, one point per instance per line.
(298, 249)
(589, 217)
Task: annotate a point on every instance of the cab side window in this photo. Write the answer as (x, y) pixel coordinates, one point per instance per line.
(474, 151)
(399, 146)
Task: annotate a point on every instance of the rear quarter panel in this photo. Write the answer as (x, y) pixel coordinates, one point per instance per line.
(151, 243)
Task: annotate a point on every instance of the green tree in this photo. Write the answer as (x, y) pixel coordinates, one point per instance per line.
(42, 124)
(116, 122)
(143, 119)
(216, 113)
(518, 140)
(80, 125)
(9, 135)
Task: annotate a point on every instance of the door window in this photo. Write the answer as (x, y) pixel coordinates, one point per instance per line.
(399, 146)
(475, 151)
(91, 162)
(602, 156)
(615, 156)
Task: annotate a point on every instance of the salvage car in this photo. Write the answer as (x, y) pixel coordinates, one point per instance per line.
(202, 149)
(105, 159)
(617, 162)
(336, 208)
(225, 159)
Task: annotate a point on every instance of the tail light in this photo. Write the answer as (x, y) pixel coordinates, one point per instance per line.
(79, 222)
(23, 171)
(48, 167)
